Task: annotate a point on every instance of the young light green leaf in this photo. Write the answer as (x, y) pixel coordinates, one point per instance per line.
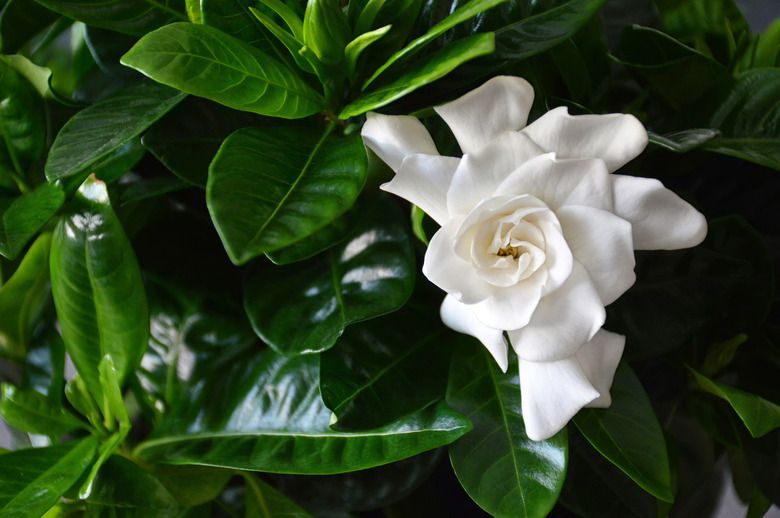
(22, 298)
(206, 62)
(300, 180)
(95, 133)
(683, 141)
(358, 45)
(759, 415)
(263, 501)
(502, 470)
(293, 21)
(299, 309)
(290, 41)
(463, 13)
(97, 287)
(234, 18)
(326, 30)
(26, 215)
(263, 412)
(135, 17)
(194, 11)
(112, 405)
(79, 397)
(33, 412)
(33, 480)
(629, 435)
(38, 77)
(424, 71)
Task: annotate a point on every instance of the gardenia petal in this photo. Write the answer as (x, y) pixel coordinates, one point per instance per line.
(602, 243)
(394, 137)
(562, 322)
(512, 307)
(501, 104)
(460, 317)
(615, 138)
(599, 359)
(424, 181)
(661, 220)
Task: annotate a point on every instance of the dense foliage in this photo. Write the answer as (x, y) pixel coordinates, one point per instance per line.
(190, 216)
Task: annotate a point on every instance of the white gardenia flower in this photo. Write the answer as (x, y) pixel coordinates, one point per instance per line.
(537, 235)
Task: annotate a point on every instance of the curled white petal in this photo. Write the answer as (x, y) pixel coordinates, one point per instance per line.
(500, 105)
(599, 359)
(394, 137)
(424, 181)
(615, 138)
(661, 220)
(460, 318)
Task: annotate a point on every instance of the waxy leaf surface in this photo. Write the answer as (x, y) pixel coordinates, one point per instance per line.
(629, 435)
(24, 216)
(300, 309)
(206, 62)
(33, 412)
(264, 412)
(271, 187)
(22, 119)
(503, 471)
(97, 287)
(129, 16)
(265, 501)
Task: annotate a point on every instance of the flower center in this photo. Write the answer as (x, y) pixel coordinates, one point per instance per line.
(507, 251)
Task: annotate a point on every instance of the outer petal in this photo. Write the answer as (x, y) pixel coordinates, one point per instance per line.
(512, 307)
(481, 172)
(448, 271)
(602, 243)
(615, 138)
(501, 104)
(460, 318)
(563, 321)
(661, 220)
(394, 137)
(424, 181)
(551, 393)
(599, 359)
(558, 183)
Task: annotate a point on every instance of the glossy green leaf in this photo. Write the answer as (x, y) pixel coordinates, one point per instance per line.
(502, 470)
(463, 13)
(192, 485)
(22, 298)
(684, 140)
(128, 16)
(768, 47)
(263, 412)
(386, 368)
(206, 62)
(301, 309)
(98, 131)
(22, 118)
(748, 118)
(400, 15)
(123, 488)
(293, 44)
(26, 215)
(115, 165)
(33, 480)
(111, 404)
(44, 365)
(20, 21)
(692, 20)
(629, 435)
(263, 501)
(39, 77)
(97, 287)
(106, 48)
(759, 415)
(33, 412)
(79, 397)
(677, 74)
(426, 70)
(271, 187)
(355, 48)
(233, 17)
(326, 30)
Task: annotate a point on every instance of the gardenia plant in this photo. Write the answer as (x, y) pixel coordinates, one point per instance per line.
(537, 235)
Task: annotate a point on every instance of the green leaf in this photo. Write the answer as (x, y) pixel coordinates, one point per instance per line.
(386, 368)
(122, 488)
(38, 77)
(677, 74)
(759, 415)
(463, 13)
(115, 165)
(44, 365)
(263, 412)
(98, 131)
(26, 215)
(426, 70)
(684, 140)
(33, 480)
(233, 17)
(299, 309)
(33, 412)
(22, 298)
(206, 62)
(356, 47)
(129, 16)
(292, 43)
(192, 485)
(97, 287)
(697, 22)
(22, 118)
(263, 501)
(111, 405)
(106, 47)
(79, 397)
(20, 21)
(271, 187)
(500, 468)
(748, 118)
(326, 30)
(629, 435)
